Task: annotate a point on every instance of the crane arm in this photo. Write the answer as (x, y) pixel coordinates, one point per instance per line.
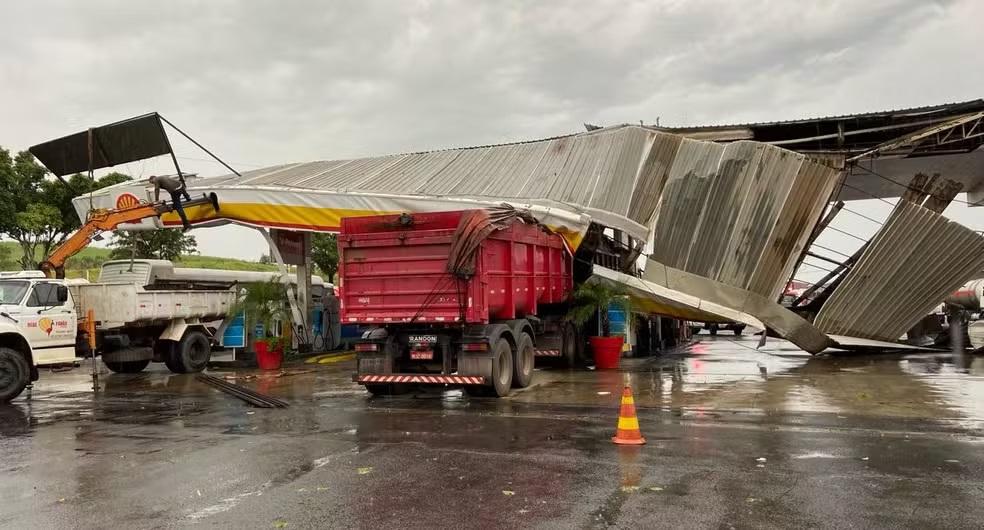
(104, 220)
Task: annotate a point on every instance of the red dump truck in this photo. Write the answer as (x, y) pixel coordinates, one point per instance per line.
(455, 298)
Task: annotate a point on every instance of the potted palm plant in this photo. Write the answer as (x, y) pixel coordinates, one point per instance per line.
(592, 298)
(263, 304)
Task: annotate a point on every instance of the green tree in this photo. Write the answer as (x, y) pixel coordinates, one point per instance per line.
(6, 260)
(36, 211)
(167, 244)
(324, 254)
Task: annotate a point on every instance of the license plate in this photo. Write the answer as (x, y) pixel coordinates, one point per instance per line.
(422, 355)
(423, 339)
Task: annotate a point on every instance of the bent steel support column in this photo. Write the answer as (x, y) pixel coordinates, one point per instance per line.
(295, 311)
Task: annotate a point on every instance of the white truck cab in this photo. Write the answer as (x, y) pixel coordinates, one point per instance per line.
(42, 311)
(133, 326)
(38, 326)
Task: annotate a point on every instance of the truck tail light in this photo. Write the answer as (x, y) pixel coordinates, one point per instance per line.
(367, 346)
(475, 346)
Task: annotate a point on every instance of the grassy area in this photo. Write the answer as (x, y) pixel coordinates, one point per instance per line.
(91, 259)
(213, 262)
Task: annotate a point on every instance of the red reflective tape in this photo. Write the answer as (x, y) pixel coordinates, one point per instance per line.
(428, 379)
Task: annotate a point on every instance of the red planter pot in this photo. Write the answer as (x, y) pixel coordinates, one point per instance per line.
(268, 359)
(607, 351)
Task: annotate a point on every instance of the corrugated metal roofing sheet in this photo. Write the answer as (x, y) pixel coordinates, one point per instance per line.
(739, 213)
(616, 172)
(915, 260)
(956, 106)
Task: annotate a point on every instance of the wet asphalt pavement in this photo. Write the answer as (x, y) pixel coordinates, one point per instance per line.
(737, 438)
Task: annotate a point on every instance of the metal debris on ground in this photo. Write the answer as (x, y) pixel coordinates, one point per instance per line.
(250, 396)
(286, 373)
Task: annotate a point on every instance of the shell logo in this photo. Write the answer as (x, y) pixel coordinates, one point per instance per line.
(126, 200)
(46, 325)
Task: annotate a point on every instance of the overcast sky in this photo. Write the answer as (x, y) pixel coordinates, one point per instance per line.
(271, 82)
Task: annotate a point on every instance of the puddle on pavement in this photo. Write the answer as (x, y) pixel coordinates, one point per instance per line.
(731, 375)
(721, 374)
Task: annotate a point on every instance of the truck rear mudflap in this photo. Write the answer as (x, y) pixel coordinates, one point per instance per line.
(424, 379)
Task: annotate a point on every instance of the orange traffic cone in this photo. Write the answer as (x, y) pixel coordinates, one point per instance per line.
(628, 432)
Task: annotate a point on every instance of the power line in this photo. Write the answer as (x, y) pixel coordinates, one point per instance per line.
(897, 183)
(863, 216)
(868, 193)
(817, 267)
(832, 250)
(835, 229)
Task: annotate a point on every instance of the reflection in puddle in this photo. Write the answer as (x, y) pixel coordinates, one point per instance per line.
(955, 380)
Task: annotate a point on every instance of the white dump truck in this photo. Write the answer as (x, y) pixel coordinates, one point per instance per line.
(45, 321)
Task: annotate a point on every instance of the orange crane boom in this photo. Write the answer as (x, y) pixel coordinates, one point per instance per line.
(102, 220)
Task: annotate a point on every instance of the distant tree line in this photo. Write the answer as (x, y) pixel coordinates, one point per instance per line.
(324, 255)
(36, 211)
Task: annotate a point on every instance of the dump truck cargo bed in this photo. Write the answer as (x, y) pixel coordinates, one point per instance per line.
(395, 269)
(118, 304)
(454, 298)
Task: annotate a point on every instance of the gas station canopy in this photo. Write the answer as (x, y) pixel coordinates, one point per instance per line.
(727, 219)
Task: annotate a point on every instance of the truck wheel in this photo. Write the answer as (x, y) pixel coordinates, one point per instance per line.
(387, 389)
(379, 390)
(191, 354)
(502, 368)
(713, 329)
(15, 374)
(738, 330)
(569, 345)
(523, 362)
(127, 367)
(502, 373)
(171, 362)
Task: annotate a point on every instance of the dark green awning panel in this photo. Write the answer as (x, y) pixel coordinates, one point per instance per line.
(117, 143)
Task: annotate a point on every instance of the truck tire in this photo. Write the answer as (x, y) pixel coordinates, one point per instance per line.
(502, 372)
(127, 367)
(15, 374)
(738, 330)
(523, 361)
(191, 354)
(713, 329)
(568, 344)
(387, 389)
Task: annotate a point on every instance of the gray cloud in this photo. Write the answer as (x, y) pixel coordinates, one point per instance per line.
(272, 82)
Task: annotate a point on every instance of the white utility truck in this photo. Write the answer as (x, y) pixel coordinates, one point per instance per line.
(122, 318)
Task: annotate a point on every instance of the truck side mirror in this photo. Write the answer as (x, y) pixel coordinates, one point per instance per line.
(62, 294)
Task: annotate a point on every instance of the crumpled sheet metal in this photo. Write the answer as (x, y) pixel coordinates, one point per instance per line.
(739, 214)
(782, 321)
(914, 261)
(613, 176)
(655, 298)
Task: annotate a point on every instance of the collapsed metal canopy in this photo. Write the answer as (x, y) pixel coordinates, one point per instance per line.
(729, 220)
(738, 213)
(909, 267)
(612, 176)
